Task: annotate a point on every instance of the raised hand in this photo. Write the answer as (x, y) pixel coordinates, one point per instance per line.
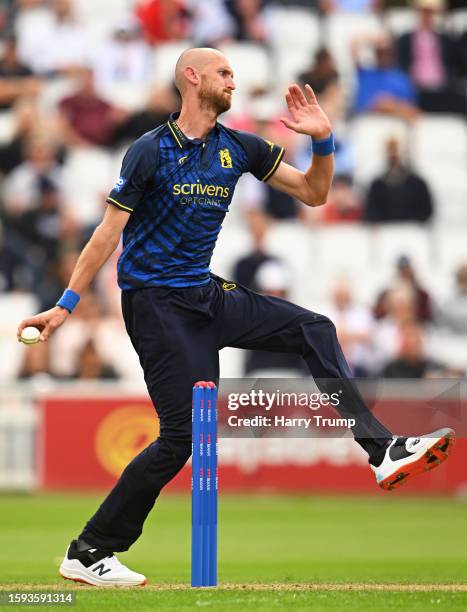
(307, 115)
(47, 322)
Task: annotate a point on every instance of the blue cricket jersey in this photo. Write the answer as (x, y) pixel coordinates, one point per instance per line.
(177, 191)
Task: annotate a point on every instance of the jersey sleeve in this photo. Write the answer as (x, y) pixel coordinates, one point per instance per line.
(136, 176)
(263, 156)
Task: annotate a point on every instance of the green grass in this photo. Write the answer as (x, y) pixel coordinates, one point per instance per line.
(265, 540)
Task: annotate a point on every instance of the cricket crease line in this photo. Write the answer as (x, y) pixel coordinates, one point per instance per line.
(407, 588)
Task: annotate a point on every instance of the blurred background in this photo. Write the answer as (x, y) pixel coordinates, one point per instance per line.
(386, 258)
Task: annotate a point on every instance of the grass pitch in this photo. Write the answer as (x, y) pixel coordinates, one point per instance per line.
(320, 553)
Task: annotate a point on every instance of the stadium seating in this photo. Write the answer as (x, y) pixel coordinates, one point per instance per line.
(87, 178)
(393, 240)
(315, 256)
(399, 20)
(13, 307)
(442, 160)
(250, 64)
(450, 248)
(339, 30)
(368, 134)
(299, 258)
(7, 126)
(295, 36)
(456, 21)
(53, 91)
(165, 58)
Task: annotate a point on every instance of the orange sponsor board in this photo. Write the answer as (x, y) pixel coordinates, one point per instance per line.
(85, 443)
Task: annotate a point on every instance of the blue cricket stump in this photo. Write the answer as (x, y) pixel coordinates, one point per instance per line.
(204, 485)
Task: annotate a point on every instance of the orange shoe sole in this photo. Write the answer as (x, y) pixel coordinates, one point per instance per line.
(433, 456)
(101, 585)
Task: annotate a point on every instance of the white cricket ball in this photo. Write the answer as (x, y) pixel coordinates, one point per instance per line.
(30, 335)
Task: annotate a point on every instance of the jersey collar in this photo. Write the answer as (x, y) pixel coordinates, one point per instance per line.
(180, 137)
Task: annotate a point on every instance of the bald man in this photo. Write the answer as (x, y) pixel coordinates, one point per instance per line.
(175, 188)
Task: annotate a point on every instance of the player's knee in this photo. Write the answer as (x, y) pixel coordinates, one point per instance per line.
(324, 323)
(327, 324)
(181, 449)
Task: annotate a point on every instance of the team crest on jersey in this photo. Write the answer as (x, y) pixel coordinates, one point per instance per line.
(120, 184)
(229, 286)
(226, 160)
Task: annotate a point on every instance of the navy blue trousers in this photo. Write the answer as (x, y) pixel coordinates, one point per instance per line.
(177, 334)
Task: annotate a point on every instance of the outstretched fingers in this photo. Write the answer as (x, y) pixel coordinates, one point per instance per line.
(290, 102)
(293, 99)
(310, 94)
(292, 125)
(298, 96)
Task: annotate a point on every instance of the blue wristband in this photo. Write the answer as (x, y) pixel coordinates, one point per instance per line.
(68, 300)
(324, 146)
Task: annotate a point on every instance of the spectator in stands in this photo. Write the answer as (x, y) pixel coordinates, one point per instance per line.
(125, 58)
(348, 6)
(26, 122)
(405, 278)
(40, 233)
(399, 194)
(344, 204)
(18, 265)
(383, 88)
(91, 323)
(324, 79)
(41, 225)
(271, 278)
(162, 101)
(400, 310)
(23, 187)
(5, 17)
(16, 78)
(35, 366)
(163, 20)
(461, 45)
(412, 360)
(51, 278)
(86, 118)
(245, 269)
(263, 119)
(453, 313)
(211, 24)
(247, 19)
(429, 57)
(354, 325)
(322, 73)
(91, 365)
(33, 26)
(65, 46)
(277, 205)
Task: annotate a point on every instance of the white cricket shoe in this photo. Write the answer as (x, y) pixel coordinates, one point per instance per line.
(407, 457)
(83, 563)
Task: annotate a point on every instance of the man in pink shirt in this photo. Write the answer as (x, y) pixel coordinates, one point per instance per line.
(428, 56)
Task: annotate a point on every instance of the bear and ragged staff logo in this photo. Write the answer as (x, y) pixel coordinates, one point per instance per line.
(226, 160)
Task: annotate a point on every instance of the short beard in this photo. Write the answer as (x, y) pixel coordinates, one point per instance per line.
(213, 101)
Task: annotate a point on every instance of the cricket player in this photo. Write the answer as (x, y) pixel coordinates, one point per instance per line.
(175, 188)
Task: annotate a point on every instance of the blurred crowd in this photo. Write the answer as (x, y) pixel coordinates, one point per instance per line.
(68, 92)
